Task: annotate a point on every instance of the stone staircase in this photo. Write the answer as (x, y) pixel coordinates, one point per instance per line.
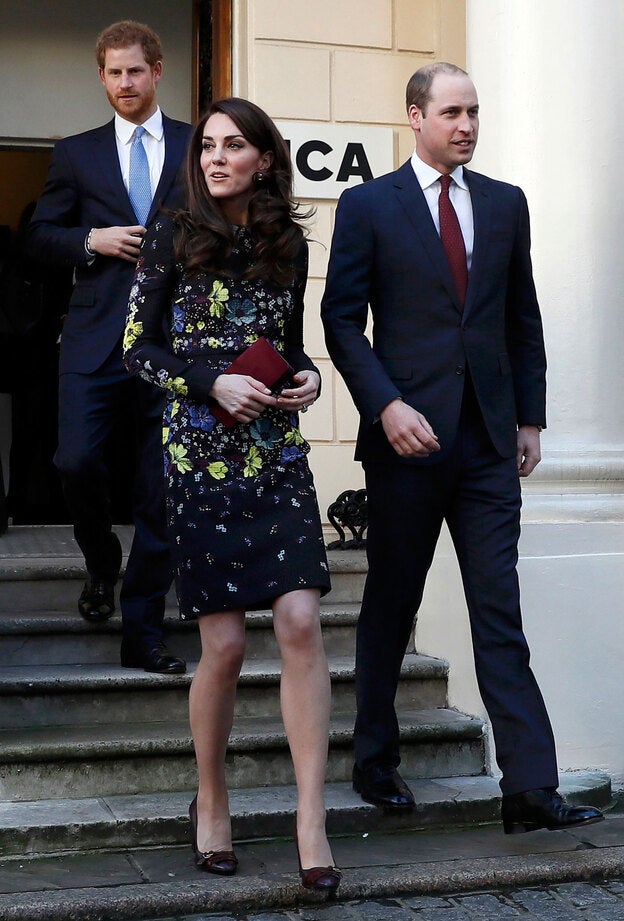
(96, 756)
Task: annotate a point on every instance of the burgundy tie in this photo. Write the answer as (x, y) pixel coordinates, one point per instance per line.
(452, 239)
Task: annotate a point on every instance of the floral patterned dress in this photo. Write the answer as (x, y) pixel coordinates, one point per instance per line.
(241, 502)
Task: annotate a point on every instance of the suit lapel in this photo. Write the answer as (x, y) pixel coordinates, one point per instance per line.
(106, 159)
(482, 218)
(414, 204)
(176, 138)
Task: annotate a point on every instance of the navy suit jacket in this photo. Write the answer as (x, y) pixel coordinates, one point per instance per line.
(386, 253)
(85, 189)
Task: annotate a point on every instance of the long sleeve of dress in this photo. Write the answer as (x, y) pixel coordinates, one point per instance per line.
(152, 296)
(293, 340)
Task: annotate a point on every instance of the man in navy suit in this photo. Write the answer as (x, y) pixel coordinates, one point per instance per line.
(85, 219)
(451, 396)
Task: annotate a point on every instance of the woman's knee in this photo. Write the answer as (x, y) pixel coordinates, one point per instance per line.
(298, 629)
(223, 645)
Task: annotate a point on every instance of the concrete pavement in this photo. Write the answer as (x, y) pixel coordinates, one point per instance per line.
(393, 873)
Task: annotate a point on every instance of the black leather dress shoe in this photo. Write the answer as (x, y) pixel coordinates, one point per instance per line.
(97, 600)
(157, 659)
(383, 786)
(544, 809)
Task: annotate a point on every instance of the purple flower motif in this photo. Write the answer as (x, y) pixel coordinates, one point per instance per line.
(290, 454)
(178, 319)
(200, 417)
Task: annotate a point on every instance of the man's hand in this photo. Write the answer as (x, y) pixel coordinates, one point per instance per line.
(408, 431)
(529, 454)
(122, 242)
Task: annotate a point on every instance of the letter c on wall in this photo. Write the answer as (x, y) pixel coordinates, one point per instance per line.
(301, 159)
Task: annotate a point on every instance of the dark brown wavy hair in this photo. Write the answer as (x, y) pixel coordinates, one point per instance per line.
(204, 238)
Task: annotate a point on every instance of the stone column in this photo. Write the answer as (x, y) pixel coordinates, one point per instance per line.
(549, 77)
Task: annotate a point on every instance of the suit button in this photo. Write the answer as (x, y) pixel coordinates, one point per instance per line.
(459, 369)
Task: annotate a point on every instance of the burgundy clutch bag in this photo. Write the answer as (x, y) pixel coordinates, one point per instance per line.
(262, 362)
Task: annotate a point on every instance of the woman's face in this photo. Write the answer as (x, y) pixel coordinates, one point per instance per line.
(228, 161)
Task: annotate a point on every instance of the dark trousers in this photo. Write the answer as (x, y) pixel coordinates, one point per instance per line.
(88, 407)
(478, 494)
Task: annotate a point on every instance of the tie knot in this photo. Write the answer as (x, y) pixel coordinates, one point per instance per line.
(445, 182)
(139, 131)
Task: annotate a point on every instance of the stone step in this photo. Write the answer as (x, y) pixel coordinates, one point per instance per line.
(41, 569)
(112, 822)
(37, 638)
(136, 758)
(90, 695)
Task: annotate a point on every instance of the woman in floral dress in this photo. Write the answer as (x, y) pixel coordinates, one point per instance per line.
(241, 501)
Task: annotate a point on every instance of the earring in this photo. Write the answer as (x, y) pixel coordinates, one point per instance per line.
(261, 180)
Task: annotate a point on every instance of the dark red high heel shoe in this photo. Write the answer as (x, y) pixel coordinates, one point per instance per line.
(318, 879)
(222, 862)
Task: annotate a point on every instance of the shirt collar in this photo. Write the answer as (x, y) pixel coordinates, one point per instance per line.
(125, 129)
(427, 175)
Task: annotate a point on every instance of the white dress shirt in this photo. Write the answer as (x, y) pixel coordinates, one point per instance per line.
(153, 142)
(429, 181)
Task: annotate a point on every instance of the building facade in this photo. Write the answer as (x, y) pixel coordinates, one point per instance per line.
(548, 77)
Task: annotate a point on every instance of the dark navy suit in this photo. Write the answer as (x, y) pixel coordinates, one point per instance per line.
(85, 189)
(475, 374)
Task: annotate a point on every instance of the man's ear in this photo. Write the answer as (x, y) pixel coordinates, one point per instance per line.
(415, 116)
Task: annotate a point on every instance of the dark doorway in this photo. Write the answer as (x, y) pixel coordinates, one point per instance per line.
(29, 361)
(29, 347)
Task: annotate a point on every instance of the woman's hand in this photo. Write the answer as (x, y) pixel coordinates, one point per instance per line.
(298, 399)
(242, 396)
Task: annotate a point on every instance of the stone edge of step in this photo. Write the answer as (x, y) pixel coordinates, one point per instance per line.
(111, 741)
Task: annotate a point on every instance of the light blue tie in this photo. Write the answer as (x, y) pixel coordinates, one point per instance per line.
(139, 190)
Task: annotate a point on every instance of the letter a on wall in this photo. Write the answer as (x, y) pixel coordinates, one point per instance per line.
(330, 158)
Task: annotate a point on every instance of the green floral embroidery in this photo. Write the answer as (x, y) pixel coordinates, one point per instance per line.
(217, 470)
(253, 462)
(217, 298)
(177, 385)
(294, 437)
(178, 453)
(134, 329)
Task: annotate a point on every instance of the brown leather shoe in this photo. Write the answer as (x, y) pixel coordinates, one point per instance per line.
(546, 808)
(224, 863)
(318, 879)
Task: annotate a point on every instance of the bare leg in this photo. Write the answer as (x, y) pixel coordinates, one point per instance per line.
(211, 711)
(305, 699)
